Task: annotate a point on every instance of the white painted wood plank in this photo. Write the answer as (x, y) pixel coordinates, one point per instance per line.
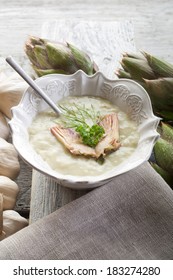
(153, 21)
(47, 196)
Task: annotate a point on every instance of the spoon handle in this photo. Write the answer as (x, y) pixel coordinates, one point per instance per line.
(31, 82)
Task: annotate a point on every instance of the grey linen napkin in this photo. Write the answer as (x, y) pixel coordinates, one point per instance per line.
(131, 217)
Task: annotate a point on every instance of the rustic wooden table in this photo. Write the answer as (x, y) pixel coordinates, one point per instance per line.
(152, 20)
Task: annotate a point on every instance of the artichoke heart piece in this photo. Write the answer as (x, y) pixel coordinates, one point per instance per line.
(72, 141)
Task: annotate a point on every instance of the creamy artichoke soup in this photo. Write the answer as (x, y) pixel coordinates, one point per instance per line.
(57, 155)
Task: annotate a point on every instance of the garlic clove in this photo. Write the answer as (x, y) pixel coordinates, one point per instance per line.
(11, 91)
(10, 190)
(9, 163)
(13, 222)
(4, 128)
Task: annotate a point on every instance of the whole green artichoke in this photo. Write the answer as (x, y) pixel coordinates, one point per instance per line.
(155, 75)
(163, 151)
(48, 57)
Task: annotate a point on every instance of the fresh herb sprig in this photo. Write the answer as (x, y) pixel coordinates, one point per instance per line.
(84, 121)
(90, 135)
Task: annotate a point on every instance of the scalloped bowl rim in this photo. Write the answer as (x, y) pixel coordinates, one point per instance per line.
(80, 182)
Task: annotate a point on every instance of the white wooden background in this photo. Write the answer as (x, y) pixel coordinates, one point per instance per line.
(152, 20)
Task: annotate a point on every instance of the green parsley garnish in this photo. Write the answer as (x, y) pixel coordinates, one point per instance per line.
(90, 135)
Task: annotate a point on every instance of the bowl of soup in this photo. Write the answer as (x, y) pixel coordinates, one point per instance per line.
(64, 149)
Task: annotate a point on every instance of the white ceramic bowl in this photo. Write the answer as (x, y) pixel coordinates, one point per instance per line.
(127, 94)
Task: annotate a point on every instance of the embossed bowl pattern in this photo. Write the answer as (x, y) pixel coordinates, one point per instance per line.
(127, 94)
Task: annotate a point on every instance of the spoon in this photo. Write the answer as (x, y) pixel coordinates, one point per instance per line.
(31, 82)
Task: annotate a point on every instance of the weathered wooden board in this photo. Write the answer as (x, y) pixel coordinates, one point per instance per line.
(47, 196)
(153, 20)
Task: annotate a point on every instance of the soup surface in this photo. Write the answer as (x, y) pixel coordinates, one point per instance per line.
(61, 160)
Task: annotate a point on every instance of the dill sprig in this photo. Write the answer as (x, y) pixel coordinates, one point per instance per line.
(85, 121)
(75, 115)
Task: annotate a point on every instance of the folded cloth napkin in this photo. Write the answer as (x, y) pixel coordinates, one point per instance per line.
(131, 217)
